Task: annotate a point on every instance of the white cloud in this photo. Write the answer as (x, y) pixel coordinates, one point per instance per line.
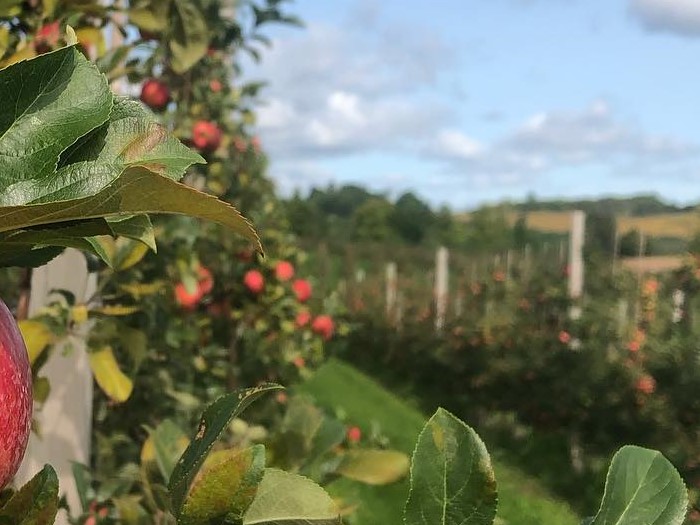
(674, 16)
(454, 143)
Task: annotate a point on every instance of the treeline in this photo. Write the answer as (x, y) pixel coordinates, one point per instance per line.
(353, 214)
(637, 206)
(347, 214)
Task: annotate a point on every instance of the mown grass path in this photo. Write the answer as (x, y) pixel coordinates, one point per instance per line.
(338, 386)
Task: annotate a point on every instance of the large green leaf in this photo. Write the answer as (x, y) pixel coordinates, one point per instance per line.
(190, 39)
(49, 102)
(131, 137)
(215, 419)
(289, 499)
(34, 504)
(642, 488)
(36, 246)
(225, 487)
(452, 482)
(69, 152)
(138, 190)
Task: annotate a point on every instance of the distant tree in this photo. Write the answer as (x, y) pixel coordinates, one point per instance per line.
(488, 230)
(630, 244)
(305, 219)
(600, 233)
(446, 231)
(412, 218)
(521, 235)
(372, 221)
(341, 201)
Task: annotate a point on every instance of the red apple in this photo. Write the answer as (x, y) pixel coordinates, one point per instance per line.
(155, 94)
(354, 434)
(646, 384)
(284, 271)
(302, 289)
(205, 285)
(15, 396)
(303, 318)
(215, 85)
(206, 281)
(323, 325)
(206, 136)
(186, 299)
(254, 281)
(47, 37)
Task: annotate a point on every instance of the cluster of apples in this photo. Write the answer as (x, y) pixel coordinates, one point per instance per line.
(322, 325)
(206, 135)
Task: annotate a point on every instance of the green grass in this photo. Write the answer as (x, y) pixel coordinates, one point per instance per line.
(339, 386)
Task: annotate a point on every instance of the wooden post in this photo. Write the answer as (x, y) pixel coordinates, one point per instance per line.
(576, 269)
(509, 264)
(66, 417)
(391, 274)
(441, 285)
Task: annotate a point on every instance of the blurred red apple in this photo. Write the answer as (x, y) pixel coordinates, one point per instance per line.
(215, 85)
(206, 136)
(47, 37)
(323, 325)
(354, 434)
(254, 281)
(155, 94)
(303, 318)
(189, 300)
(302, 289)
(15, 396)
(284, 271)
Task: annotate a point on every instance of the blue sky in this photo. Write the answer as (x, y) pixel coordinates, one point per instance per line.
(472, 101)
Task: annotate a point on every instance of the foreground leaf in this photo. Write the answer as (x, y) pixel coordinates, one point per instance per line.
(55, 98)
(452, 482)
(34, 504)
(214, 420)
(138, 190)
(642, 488)
(225, 487)
(374, 467)
(289, 499)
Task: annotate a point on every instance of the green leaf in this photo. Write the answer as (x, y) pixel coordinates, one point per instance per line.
(289, 499)
(34, 504)
(152, 17)
(642, 488)
(215, 419)
(225, 487)
(169, 442)
(452, 481)
(48, 103)
(134, 192)
(136, 227)
(374, 467)
(190, 36)
(132, 137)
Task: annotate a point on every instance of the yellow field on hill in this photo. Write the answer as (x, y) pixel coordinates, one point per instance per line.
(682, 225)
